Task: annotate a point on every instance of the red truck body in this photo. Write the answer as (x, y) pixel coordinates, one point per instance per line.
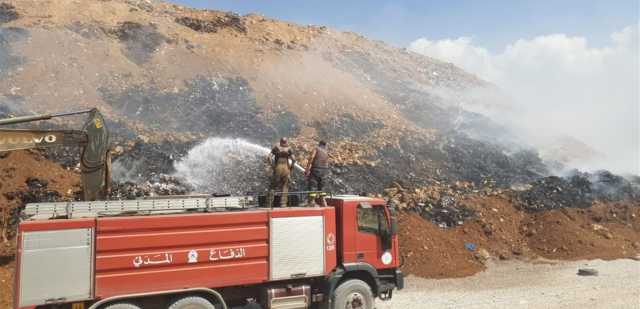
(146, 256)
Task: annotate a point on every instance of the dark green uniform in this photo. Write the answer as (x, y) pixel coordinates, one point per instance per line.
(283, 161)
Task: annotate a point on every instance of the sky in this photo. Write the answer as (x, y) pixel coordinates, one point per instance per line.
(571, 67)
(493, 23)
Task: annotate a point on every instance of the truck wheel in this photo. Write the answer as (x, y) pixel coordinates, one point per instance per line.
(122, 306)
(353, 294)
(192, 302)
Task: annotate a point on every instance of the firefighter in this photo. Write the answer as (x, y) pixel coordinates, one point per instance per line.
(317, 167)
(282, 161)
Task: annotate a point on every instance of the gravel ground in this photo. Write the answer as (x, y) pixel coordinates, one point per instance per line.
(517, 284)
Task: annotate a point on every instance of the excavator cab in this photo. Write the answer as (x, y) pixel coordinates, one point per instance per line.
(93, 139)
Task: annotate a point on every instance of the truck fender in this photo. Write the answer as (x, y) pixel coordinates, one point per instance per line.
(211, 292)
(363, 271)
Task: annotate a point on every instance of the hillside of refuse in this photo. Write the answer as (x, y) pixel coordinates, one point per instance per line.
(193, 97)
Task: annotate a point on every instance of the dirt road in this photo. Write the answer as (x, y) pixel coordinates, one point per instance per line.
(525, 285)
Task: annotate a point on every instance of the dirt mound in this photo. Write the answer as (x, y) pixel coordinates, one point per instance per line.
(502, 231)
(431, 252)
(26, 177)
(605, 231)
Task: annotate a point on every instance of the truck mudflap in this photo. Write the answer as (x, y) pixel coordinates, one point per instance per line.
(399, 279)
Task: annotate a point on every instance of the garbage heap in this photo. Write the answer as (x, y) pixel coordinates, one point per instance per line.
(578, 190)
(438, 202)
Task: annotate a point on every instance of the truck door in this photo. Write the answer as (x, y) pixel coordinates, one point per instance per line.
(373, 236)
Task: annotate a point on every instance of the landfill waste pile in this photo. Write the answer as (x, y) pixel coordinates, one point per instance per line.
(195, 99)
(578, 190)
(157, 185)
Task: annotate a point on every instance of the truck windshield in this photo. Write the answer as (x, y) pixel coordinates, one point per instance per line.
(371, 219)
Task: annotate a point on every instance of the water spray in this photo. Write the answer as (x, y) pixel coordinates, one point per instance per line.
(227, 165)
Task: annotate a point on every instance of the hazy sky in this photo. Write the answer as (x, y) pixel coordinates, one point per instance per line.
(494, 24)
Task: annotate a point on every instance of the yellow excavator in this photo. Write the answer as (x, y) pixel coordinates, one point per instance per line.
(93, 140)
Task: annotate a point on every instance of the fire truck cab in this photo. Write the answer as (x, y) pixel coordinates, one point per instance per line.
(207, 252)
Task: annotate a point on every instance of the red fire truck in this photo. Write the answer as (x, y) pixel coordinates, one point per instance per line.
(207, 252)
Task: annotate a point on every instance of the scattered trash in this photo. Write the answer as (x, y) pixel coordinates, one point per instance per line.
(579, 190)
(587, 272)
(229, 20)
(482, 255)
(140, 41)
(7, 13)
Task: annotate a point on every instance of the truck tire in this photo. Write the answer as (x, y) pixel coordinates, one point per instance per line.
(192, 302)
(122, 306)
(353, 294)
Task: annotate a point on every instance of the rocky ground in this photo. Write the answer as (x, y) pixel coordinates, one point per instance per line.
(538, 285)
(193, 97)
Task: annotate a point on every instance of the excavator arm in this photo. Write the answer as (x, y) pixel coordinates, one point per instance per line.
(17, 139)
(95, 160)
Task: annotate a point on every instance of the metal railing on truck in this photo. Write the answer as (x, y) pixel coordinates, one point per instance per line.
(162, 205)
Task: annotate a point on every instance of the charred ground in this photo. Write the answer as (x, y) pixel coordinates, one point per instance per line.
(398, 125)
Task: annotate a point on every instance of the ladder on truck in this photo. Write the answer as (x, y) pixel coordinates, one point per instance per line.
(173, 204)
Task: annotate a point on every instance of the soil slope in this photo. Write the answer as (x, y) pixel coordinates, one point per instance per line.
(166, 73)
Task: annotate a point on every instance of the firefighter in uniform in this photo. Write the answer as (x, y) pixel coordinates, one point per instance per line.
(317, 167)
(282, 162)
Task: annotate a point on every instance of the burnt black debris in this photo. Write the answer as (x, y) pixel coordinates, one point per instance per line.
(441, 203)
(87, 31)
(579, 190)
(7, 13)
(346, 126)
(555, 192)
(285, 123)
(8, 59)
(212, 105)
(67, 156)
(140, 41)
(610, 187)
(37, 191)
(484, 163)
(229, 20)
(144, 161)
(446, 212)
(157, 185)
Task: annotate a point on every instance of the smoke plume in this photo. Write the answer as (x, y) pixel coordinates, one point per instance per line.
(565, 93)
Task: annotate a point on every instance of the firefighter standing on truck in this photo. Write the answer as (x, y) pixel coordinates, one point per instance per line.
(317, 167)
(282, 162)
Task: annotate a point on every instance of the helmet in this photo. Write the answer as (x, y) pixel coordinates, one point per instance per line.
(284, 141)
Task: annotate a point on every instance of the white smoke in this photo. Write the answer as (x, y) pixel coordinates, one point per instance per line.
(561, 87)
(225, 165)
